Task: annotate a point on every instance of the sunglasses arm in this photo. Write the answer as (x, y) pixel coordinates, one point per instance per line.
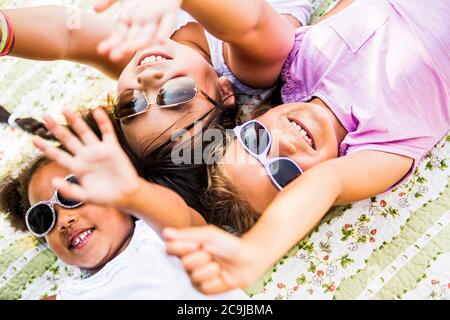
(208, 98)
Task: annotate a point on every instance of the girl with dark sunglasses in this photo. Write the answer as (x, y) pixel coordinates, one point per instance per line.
(143, 66)
(367, 96)
(84, 204)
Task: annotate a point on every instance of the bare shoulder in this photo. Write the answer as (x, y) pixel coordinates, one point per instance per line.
(193, 35)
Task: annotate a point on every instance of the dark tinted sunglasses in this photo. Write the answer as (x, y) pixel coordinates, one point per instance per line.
(173, 93)
(41, 217)
(257, 140)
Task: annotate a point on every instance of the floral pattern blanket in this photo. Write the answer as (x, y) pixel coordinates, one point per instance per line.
(393, 246)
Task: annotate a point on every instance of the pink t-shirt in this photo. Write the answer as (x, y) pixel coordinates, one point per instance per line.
(383, 68)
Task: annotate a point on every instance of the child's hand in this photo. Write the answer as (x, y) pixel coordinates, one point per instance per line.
(215, 260)
(106, 174)
(102, 5)
(141, 23)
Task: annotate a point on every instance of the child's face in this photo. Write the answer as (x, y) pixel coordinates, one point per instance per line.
(248, 175)
(110, 229)
(151, 129)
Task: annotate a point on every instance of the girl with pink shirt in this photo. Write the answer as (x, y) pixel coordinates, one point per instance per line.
(367, 96)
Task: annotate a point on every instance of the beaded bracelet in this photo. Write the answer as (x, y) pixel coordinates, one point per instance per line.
(5, 33)
(7, 41)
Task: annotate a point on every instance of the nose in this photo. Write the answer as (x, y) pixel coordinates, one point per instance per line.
(66, 218)
(150, 78)
(282, 146)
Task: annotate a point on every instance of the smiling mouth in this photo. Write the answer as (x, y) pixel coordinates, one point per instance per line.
(79, 240)
(303, 132)
(152, 58)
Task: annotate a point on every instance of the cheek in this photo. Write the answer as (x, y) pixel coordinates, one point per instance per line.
(262, 193)
(253, 184)
(57, 245)
(111, 223)
(147, 129)
(132, 135)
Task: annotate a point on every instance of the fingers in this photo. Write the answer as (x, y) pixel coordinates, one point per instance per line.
(129, 10)
(146, 36)
(58, 155)
(138, 26)
(213, 286)
(165, 28)
(117, 36)
(181, 248)
(63, 135)
(196, 259)
(105, 125)
(211, 238)
(102, 5)
(69, 190)
(121, 34)
(80, 127)
(129, 45)
(197, 234)
(205, 273)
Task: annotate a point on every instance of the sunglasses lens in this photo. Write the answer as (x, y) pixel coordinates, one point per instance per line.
(130, 102)
(284, 171)
(40, 219)
(177, 90)
(67, 202)
(255, 138)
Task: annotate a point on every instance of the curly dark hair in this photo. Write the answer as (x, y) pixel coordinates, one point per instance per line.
(14, 194)
(14, 200)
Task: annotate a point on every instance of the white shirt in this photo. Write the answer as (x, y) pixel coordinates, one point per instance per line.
(142, 271)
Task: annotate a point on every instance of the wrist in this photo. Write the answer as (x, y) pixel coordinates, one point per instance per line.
(255, 263)
(128, 197)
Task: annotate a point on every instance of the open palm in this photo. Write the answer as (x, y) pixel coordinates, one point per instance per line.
(141, 23)
(106, 174)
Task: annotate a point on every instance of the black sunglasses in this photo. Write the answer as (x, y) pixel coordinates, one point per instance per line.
(257, 140)
(41, 217)
(173, 93)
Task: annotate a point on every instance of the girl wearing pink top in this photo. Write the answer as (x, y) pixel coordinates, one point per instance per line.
(367, 95)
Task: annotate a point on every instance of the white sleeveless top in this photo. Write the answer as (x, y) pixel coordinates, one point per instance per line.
(299, 9)
(142, 271)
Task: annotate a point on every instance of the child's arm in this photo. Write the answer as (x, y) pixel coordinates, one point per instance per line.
(107, 176)
(293, 213)
(257, 38)
(339, 181)
(161, 206)
(60, 33)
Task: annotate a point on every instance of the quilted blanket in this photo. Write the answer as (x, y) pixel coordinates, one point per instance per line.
(393, 246)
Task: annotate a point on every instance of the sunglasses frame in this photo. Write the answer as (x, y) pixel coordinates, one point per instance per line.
(150, 105)
(262, 158)
(50, 203)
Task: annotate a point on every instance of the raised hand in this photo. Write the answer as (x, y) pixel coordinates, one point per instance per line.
(106, 174)
(102, 5)
(141, 23)
(215, 260)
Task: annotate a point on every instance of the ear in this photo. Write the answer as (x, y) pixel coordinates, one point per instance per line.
(227, 92)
